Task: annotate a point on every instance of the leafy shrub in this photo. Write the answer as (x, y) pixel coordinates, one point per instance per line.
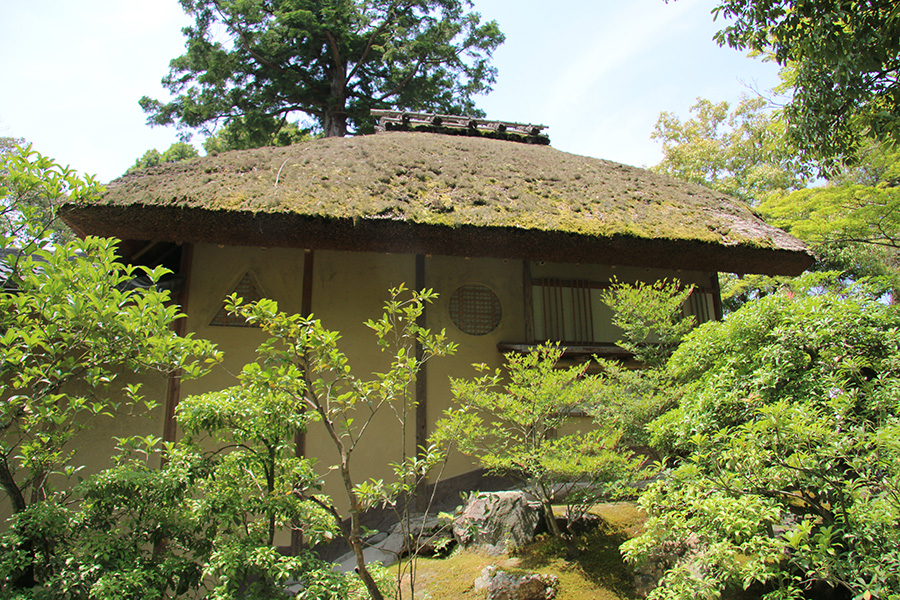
(787, 432)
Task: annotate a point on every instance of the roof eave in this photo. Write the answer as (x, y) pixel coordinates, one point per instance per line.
(177, 224)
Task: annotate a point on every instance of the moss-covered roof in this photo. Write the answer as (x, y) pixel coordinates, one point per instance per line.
(418, 191)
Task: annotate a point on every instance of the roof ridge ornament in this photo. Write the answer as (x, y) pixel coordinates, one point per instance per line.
(398, 120)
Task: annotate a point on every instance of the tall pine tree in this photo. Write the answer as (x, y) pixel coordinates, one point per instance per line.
(261, 63)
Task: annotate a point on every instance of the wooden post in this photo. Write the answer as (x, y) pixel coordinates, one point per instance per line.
(305, 310)
(300, 438)
(421, 387)
(173, 390)
(529, 301)
(717, 296)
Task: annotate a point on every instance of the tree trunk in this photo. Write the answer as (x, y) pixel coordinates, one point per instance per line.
(335, 117)
(354, 539)
(11, 487)
(335, 125)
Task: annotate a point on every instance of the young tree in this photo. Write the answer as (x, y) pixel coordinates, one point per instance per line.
(510, 421)
(650, 316)
(303, 364)
(252, 485)
(256, 63)
(787, 437)
(521, 422)
(844, 59)
(68, 333)
(652, 324)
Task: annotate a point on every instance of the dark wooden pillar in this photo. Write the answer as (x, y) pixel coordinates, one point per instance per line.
(421, 385)
(300, 438)
(173, 391)
(305, 310)
(717, 296)
(528, 297)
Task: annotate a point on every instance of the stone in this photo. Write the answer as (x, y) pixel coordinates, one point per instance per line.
(484, 580)
(497, 522)
(501, 585)
(429, 532)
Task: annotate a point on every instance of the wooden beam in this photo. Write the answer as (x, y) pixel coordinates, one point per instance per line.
(602, 350)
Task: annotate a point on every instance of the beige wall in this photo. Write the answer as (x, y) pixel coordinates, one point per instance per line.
(349, 288)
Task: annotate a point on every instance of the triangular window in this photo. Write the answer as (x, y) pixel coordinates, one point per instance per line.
(248, 289)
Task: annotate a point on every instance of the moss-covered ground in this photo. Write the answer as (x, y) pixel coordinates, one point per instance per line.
(597, 573)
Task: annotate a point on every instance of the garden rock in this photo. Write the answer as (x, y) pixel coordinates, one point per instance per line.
(497, 522)
(430, 533)
(506, 586)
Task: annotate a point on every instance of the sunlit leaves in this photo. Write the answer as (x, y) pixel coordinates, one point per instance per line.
(510, 420)
(741, 152)
(788, 472)
(844, 59)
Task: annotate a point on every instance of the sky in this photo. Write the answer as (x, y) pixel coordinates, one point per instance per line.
(598, 73)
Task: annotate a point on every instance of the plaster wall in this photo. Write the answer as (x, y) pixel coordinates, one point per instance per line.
(349, 288)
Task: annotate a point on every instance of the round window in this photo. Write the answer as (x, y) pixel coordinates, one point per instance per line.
(475, 309)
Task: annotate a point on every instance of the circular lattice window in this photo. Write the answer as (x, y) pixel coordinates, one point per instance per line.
(475, 309)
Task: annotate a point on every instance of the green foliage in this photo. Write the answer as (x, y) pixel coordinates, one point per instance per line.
(254, 486)
(652, 323)
(31, 186)
(69, 332)
(240, 134)
(517, 428)
(843, 60)
(852, 222)
(177, 152)
(302, 365)
(252, 64)
(840, 214)
(131, 537)
(650, 317)
(787, 434)
(743, 153)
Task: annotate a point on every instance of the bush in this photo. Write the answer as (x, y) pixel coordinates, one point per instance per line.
(787, 433)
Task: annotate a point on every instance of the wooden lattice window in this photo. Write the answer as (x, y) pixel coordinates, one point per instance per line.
(475, 309)
(700, 304)
(248, 289)
(564, 310)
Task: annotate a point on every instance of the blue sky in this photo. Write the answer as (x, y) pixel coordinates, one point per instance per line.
(598, 73)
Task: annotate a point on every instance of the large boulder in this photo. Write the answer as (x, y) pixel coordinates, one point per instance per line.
(497, 522)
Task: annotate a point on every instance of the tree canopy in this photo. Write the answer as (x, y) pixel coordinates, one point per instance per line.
(852, 222)
(176, 152)
(260, 62)
(238, 135)
(741, 152)
(844, 67)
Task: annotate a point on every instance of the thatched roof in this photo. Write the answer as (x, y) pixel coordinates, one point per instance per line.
(435, 194)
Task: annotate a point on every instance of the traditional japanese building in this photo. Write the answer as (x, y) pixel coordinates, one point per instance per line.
(517, 238)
